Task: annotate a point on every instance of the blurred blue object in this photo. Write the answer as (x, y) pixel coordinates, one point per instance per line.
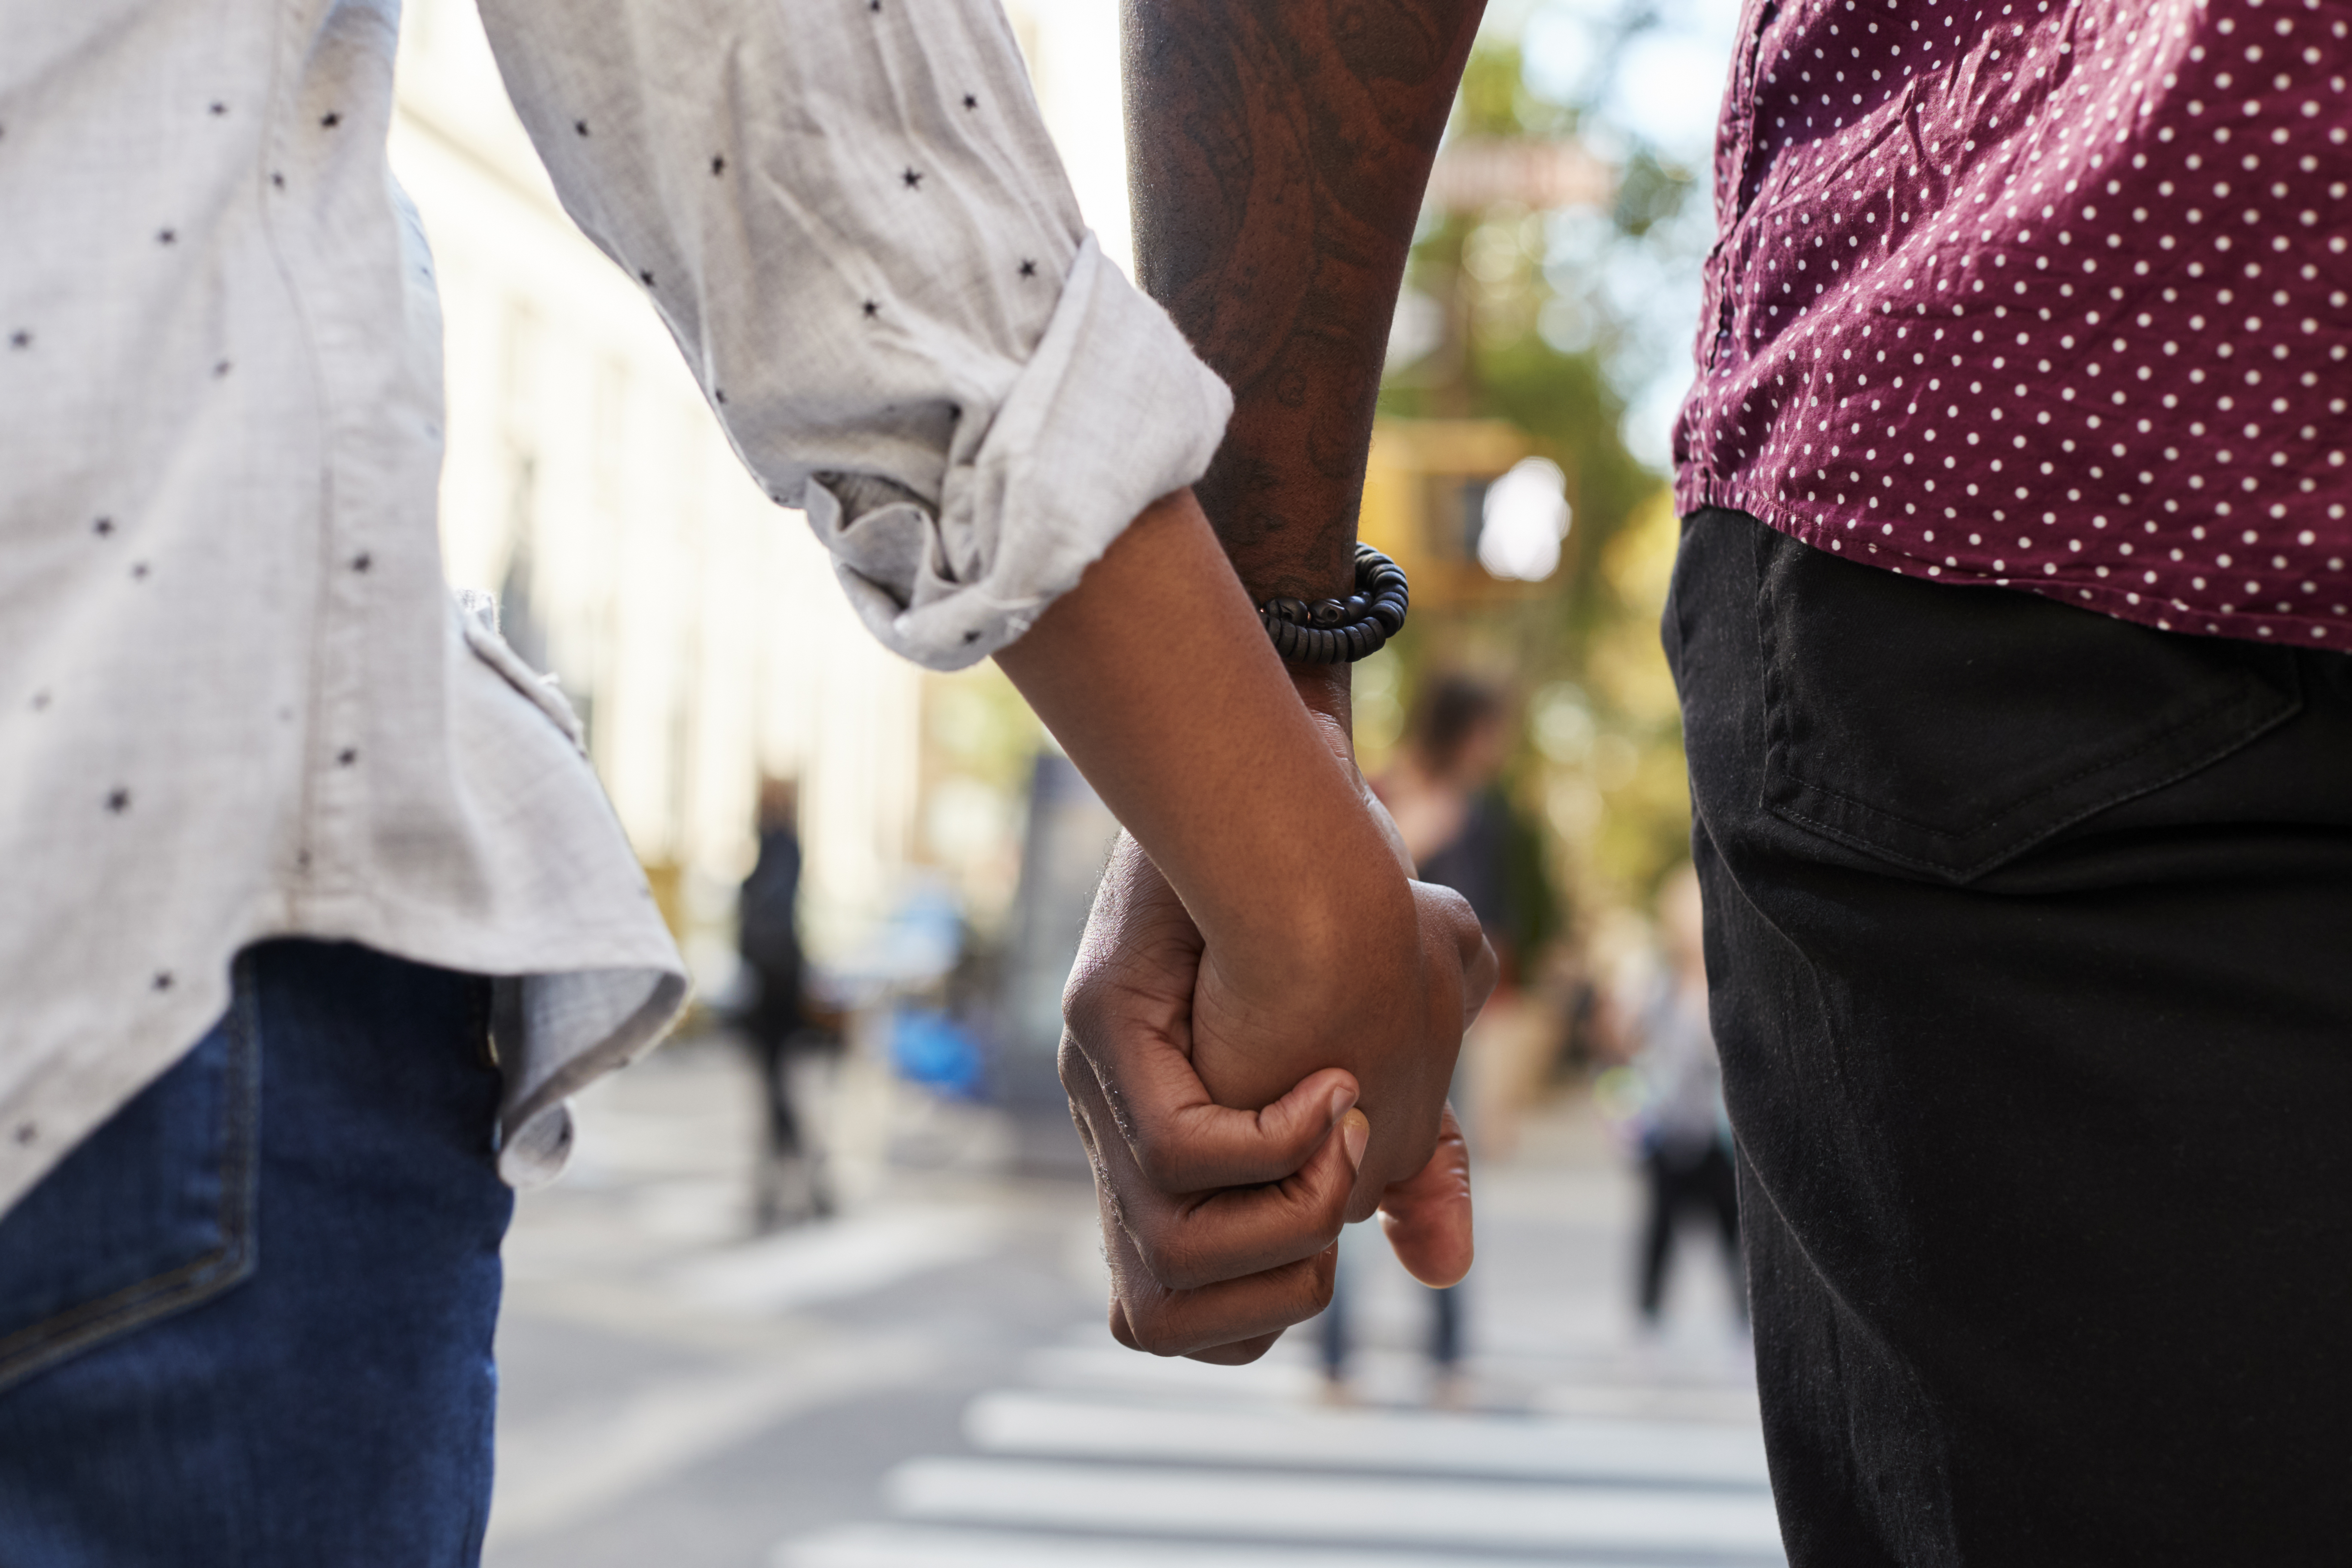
(930, 1048)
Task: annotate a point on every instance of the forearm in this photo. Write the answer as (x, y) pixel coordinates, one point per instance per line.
(1277, 153)
(1156, 677)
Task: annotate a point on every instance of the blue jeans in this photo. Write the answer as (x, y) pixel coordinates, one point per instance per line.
(248, 1321)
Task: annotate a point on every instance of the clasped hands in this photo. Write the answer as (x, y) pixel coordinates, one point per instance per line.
(1238, 1108)
(1259, 1041)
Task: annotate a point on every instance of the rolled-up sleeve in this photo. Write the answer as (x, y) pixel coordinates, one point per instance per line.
(850, 218)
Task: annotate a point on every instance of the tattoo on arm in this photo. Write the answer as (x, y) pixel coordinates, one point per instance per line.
(1277, 153)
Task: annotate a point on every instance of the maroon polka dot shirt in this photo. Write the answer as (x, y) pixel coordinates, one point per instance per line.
(2044, 294)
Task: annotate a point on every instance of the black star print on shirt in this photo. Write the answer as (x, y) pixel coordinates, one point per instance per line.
(718, 164)
(970, 102)
(913, 178)
(1028, 268)
(872, 309)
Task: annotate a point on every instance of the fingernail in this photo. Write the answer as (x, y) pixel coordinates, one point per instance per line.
(1342, 1100)
(1354, 1133)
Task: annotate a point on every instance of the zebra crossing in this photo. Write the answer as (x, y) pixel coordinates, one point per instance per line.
(926, 1383)
(1108, 1460)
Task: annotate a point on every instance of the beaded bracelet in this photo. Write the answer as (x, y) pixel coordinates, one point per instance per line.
(1339, 631)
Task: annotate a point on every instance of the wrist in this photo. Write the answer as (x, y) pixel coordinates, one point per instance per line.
(1325, 691)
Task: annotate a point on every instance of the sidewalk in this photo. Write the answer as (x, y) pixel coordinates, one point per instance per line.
(926, 1381)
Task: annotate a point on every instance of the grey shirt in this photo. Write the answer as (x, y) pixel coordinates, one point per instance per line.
(236, 700)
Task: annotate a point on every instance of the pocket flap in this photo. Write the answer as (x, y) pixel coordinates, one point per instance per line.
(1949, 729)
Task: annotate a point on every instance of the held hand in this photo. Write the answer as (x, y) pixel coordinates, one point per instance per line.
(1218, 1221)
(1391, 977)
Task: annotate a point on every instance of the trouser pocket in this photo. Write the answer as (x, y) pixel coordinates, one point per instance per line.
(152, 1214)
(1948, 730)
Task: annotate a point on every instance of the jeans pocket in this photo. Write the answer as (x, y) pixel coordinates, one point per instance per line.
(1949, 729)
(152, 1213)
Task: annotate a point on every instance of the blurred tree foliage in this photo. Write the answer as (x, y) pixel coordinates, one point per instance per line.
(1535, 325)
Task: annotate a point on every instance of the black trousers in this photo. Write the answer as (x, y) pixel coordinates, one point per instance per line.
(2030, 936)
(1703, 1182)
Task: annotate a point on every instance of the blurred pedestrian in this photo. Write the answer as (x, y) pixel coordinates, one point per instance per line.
(790, 1182)
(1685, 1137)
(1458, 826)
(1441, 794)
(1445, 793)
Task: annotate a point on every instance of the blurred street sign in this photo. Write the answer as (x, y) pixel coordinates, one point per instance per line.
(1425, 492)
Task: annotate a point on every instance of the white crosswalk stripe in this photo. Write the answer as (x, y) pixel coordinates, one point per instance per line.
(1372, 1509)
(1107, 1467)
(924, 1546)
(1638, 1451)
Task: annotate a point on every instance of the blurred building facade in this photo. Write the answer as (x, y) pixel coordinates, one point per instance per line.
(697, 626)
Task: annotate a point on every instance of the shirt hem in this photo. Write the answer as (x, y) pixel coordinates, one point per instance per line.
(1696, 491)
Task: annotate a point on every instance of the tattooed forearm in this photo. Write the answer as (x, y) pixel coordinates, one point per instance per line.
(1277, 150)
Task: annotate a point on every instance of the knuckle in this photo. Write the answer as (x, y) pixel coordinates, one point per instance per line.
(1172, 1258)
(1240, 1353)
(1321, 1278)
(1157, 1331)
(1163, 1165)
(1329, 1216)
(1071, 1065)
(1082, 1001)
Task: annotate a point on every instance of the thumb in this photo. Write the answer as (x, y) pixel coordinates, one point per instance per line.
(1426, 1217)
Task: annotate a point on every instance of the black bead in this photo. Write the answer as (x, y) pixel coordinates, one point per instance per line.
(1333, 631)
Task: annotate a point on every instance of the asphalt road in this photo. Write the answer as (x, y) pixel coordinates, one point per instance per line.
(924, 1381)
